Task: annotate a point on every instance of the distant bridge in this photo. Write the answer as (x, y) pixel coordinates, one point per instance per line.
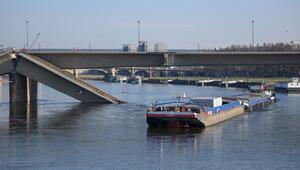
(94, 59)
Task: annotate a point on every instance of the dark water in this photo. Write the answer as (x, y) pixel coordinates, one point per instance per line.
(59, 133)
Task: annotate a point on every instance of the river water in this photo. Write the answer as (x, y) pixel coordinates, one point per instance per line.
(60, 133)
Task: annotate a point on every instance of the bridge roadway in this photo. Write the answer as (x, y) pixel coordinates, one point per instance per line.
(6, 63)
(100, 59)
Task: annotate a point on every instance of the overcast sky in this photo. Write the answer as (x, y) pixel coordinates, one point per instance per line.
(180, 24)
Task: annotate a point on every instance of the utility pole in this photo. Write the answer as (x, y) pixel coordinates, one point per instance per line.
(253, 33)
(90, 46)
(27, 45)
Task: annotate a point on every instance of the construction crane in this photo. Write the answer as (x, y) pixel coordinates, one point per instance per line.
(36, 38)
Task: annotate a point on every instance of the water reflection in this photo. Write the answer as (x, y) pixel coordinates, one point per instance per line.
(22, 117)
(292, 94)
(27, 131)
(1, 91)
(160, 139)
(152, 133)
(195, 140)
(67, 118)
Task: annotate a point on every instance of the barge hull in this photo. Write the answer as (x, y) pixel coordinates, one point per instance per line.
(200, 120)
(209, 120)
(157, 122)
(259, 105)
(288, 90)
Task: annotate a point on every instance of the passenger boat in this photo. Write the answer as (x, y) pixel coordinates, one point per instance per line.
(288, 87)
(192, 112)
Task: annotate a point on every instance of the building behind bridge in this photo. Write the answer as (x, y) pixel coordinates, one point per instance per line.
(145, 46)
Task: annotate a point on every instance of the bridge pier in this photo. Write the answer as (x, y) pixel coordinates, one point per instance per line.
(113, 71)
(150, 72)
(22, 89)
(132, 71)
(76, 73)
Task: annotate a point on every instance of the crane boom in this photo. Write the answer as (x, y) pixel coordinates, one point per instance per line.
(36, 38)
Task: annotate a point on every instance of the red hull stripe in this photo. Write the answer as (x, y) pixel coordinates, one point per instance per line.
(170, 116)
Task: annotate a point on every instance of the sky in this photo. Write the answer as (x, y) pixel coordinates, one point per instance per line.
(180, 24)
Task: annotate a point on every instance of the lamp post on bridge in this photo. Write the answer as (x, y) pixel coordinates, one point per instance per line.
(27, 45)
(139, 36)
(252, 22)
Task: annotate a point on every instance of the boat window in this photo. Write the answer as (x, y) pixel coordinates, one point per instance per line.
(195, 110)
(158, 109)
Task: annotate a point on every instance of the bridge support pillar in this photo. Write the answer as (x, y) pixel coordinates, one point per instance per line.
(166, 72)
(32, 86)
(75, 72)
(132, 71)
(113, 71)
(22, 89)
(150, 72)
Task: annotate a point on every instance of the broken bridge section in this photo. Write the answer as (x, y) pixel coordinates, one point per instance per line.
(63, 81)
(6, 63)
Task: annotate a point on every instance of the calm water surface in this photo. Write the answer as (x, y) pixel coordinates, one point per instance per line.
(60, 133)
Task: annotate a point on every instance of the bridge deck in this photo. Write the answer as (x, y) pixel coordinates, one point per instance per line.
(86, 59)
(100, 59)
(52, 76)
(6, 63)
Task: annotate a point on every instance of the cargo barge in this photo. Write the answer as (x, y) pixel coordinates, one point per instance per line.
(192, 112)
(254, 101)
(202, 111)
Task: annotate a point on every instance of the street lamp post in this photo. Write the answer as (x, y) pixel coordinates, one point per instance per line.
(139, 36)
(252, 33)
(27, 23)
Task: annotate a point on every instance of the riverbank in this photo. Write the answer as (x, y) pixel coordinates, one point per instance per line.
(237, 82)
(267, 80)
